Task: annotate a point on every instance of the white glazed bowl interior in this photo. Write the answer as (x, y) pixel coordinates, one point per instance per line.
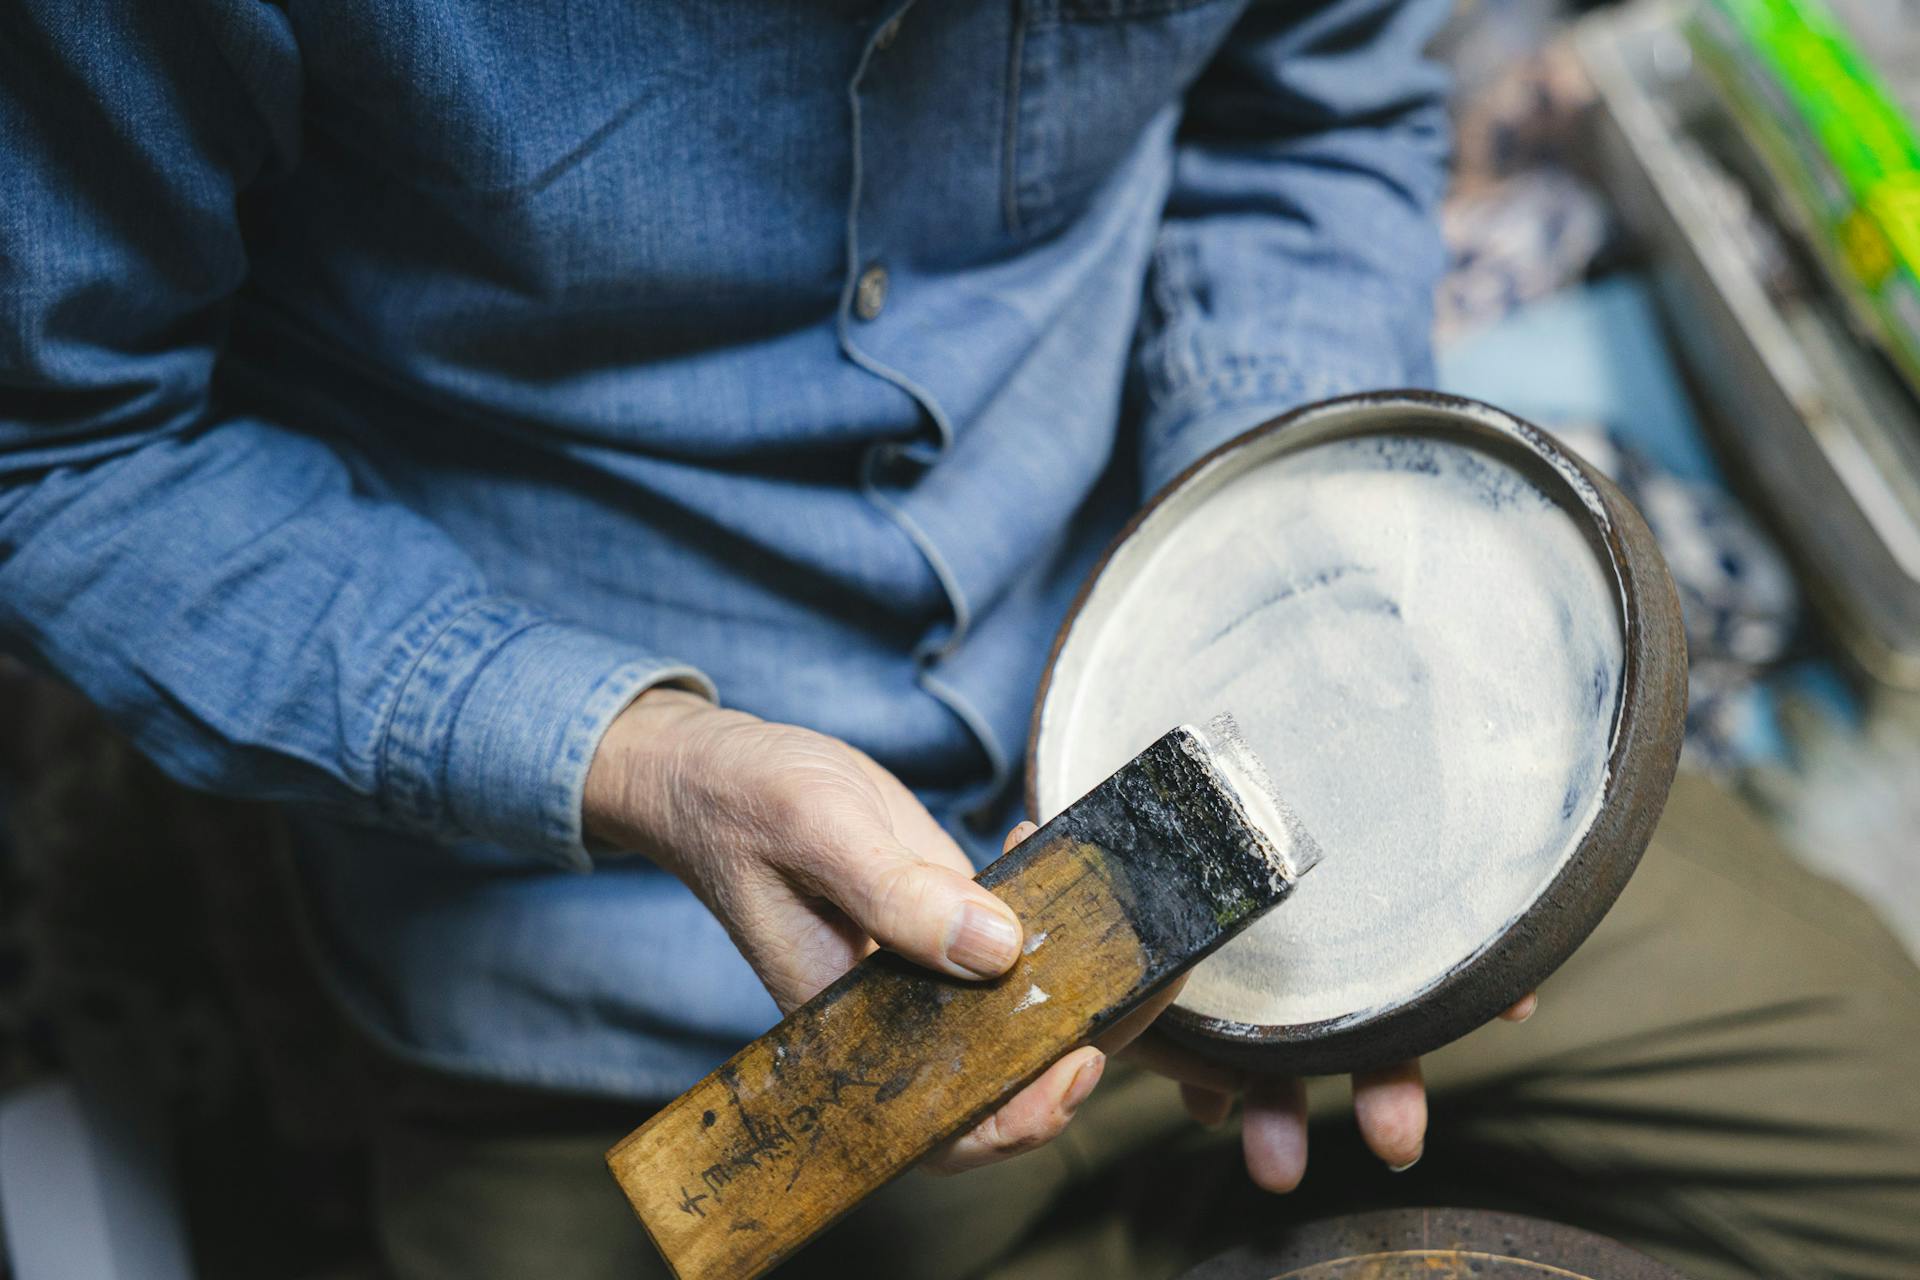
(1423, 647)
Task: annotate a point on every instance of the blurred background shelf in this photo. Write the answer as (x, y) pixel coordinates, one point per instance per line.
(1805, 403)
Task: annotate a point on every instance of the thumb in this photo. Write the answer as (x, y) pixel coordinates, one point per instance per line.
(929, 913)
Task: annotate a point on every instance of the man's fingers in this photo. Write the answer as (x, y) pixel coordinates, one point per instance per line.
(912, 825)
(934, 913)
(1273, 1132)
(1163, 1057)
(1208, 1106)
(1391, 1106)
(930, 914)
(1036, 1115)
(1522, 1008)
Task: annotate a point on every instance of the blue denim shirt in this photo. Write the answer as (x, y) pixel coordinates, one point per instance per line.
(389, 391)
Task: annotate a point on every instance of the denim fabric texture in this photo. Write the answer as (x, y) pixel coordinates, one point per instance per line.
(389, 392)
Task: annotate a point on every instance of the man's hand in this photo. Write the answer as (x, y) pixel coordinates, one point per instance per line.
(1390, 1105)
(810, 853)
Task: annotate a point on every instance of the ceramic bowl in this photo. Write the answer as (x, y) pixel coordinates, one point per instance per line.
(1459, 654)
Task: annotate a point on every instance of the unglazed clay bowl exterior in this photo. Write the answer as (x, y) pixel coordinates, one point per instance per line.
(1642, 735)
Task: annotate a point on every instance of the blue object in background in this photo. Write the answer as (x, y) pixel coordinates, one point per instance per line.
(1592, 354)
(1591, 363)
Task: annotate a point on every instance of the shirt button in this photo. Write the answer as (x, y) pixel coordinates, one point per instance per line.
(870, 295)
(887, 35)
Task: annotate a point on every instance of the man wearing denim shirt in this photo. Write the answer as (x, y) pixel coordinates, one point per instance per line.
(421, 414)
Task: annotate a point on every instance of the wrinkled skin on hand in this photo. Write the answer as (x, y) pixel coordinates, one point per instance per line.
(811, 855)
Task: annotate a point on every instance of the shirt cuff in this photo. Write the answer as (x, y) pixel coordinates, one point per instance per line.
(494, 729)
(1186, 441)
(1209, 382)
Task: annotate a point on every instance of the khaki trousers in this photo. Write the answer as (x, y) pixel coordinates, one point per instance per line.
(1727, 1076)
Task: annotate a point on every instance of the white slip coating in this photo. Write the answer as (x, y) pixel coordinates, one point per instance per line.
(1290, 851)
(1424, 651)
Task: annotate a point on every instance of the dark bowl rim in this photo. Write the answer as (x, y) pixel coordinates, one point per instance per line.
(1644, 752)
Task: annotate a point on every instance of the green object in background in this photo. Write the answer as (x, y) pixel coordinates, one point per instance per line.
(1842, 151)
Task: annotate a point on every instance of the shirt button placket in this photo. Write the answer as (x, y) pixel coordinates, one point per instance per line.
(871, 287)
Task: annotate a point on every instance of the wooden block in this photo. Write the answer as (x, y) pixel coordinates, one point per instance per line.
(1147, 874)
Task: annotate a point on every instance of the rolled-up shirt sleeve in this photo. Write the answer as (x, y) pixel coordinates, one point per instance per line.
(1300, 247)
(219, 584)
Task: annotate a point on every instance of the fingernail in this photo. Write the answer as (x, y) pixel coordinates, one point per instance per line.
(1083, 1081)
(1402, 1168)
(985, 942)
